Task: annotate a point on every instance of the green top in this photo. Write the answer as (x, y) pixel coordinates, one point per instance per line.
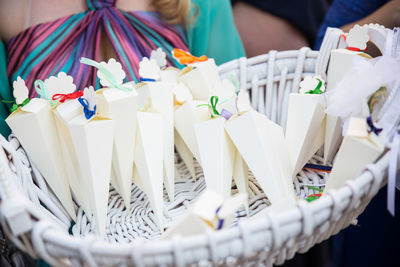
(212, 33)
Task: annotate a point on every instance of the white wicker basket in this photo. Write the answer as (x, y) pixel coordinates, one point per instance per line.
(42, 230)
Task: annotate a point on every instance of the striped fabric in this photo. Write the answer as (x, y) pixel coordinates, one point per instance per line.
(48, 48)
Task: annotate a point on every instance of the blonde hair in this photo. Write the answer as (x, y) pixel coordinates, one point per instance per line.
(173, 11)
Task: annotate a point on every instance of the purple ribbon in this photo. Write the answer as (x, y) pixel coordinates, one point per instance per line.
(372, 127)
(226, 114)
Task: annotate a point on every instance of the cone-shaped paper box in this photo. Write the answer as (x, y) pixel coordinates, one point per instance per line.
(358, 149)
(149, 160)
(35, 127)
(241, 177)
(305, 128)
(209, 212)
(261, 144)
(169, 74)
(186, 116)
(121, 106)
(217, 155)
(185, 154)
(161, 100)
(63, 113)
(200, 78)
(93, 142)
(341, 61)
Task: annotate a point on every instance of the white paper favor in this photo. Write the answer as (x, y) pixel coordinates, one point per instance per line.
(149, 161)
(63, 114)
(305, 128)
(209, 212)
(121, 106)
(200, 78)
(262, 145)
(160, 99)
(93, 143)
(185, 118)
(217, 155)
(341, 62)
(35, 127)
(358, 149)
(185, 154)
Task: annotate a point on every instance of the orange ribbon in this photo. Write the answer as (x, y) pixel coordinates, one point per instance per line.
(187, 58)
(62, 97)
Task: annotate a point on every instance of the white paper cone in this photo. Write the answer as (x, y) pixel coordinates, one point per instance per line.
(241, 174)
(34, 125)
(333, 137)
(257, 140)
(185, 154)
(341, 61)
(185, 117)
(63, 113)
(217, 155)
(161, 98)
(149, 161)
(121, 106)
(201, 79)
(357, 150)
(241, 177)
(305, 128)
(169, 74)
(188, 224)
(93, 142)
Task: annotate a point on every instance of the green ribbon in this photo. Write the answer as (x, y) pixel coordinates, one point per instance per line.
(314, 188)
(107, 74)
(317, 89)
(212, 106)
(42, 91)
(15, 106)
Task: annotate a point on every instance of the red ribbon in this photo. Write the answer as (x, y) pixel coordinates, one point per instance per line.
(352, 48)
(62, 97)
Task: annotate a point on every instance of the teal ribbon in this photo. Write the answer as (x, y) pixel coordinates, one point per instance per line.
(107, 74)
(317, 89)
(42, 91)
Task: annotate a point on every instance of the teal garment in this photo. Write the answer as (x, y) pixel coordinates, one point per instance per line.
(5, 92)
(213, 33)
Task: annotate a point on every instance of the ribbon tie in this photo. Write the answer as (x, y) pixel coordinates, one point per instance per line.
(372, 127)
(147, 80)
(108, 75)
(317, 89)
(15, 106)
(42, 91)
(187, 58)
(356, 49)
(62, 97)
(85, 103)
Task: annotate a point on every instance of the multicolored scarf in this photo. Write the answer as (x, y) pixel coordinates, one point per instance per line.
(48, 48)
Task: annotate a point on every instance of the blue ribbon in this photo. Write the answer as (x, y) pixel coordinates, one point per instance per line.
(220, 221)
(85, 103)
(147, 80)
(372, 127)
